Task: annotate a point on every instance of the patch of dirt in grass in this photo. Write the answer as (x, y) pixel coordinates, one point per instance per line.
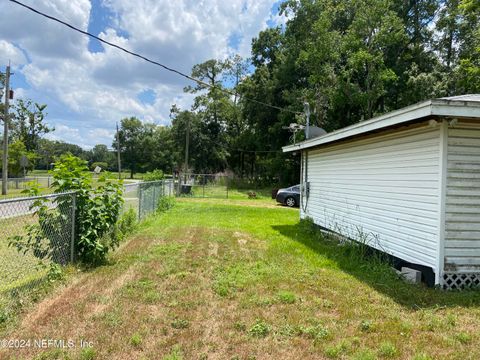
(84, 286)
(213, 249)
(241, 238)
(59, 303)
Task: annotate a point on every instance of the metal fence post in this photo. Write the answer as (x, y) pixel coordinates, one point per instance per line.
(140, 193)
(154, 196)
(72, 244)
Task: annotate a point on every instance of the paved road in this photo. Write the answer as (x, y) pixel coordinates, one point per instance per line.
(11, 208)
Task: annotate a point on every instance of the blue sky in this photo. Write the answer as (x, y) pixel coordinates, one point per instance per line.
(88, 87)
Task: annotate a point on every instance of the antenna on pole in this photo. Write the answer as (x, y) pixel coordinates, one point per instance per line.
(306, 108)
(294, 128)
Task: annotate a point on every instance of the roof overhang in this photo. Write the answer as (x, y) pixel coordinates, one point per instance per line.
(453, 107)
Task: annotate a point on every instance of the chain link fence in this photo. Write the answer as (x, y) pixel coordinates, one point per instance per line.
(16, 186)
(35, 232)
(144, 197)
(24, 182)
(203, 185)
(38, 232)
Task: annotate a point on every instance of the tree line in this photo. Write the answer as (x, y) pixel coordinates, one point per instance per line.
(350, 60)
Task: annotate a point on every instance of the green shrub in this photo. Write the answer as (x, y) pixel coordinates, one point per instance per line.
(165, 203)
(125, 225)
(97, 211)
(55, 272)
(39, 239)
(153, 175)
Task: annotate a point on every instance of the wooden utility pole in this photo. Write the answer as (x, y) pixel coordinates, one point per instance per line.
(118, 155)
(187, 141)
(5, 133)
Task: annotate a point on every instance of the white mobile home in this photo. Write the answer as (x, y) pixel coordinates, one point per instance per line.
(407, 183)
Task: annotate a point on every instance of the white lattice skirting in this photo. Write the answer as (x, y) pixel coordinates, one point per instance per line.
(452, 281)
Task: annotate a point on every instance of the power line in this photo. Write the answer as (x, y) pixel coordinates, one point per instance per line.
(198, 81)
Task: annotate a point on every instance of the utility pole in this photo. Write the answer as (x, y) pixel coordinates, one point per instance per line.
(187, 141)
(118, 155)
(5, 133)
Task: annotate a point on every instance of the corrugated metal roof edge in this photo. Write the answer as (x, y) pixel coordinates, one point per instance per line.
(435, 107)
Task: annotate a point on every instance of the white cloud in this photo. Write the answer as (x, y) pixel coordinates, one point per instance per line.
(94, 90)
(11, 53)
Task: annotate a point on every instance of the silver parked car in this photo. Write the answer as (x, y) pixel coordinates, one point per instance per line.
(289, 196)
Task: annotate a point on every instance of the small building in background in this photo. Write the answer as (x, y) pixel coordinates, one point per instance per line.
(406, 183)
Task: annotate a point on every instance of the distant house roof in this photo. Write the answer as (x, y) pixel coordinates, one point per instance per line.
(463, 106)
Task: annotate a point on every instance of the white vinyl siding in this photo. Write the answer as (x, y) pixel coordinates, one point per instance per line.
(383, 190)
(462, 218)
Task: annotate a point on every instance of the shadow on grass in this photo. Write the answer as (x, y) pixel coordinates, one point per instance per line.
(377, 273)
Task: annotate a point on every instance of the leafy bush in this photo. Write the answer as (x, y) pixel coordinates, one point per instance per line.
(165, 203)
(153, 175)
(41, 239)
(97, 210)
(126, 224)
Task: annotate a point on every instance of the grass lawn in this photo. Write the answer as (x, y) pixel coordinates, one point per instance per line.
(18, 193)
(240, 279)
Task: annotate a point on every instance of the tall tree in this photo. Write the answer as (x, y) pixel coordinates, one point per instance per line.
(28, 123)
(467, 72)
(130, 136)
(19, 159)
(49, 150)
(213, 108)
